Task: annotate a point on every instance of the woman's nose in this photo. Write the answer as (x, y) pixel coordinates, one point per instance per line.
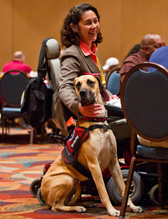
(93, 25)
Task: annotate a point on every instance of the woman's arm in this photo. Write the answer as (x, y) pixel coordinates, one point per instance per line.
(69, 71)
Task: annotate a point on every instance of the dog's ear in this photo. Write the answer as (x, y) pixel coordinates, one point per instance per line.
(100, 85)
(77, 84)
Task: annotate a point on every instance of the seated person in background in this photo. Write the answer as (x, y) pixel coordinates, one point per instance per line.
(17, 63)
(80, 35)
(160, 56)
(110, 64)
(149, 44)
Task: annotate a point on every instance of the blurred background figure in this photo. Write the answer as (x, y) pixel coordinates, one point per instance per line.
(110, 64)
(18, 63)
(149, 44)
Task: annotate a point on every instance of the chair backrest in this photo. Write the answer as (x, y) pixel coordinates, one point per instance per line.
(12, 87)
(144, 99)
(53, 52)
(113, 80)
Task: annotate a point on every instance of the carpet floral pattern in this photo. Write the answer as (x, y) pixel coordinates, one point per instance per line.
(22, 164)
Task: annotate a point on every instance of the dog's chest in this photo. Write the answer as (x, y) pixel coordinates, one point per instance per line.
(99, 145)
(101, 142)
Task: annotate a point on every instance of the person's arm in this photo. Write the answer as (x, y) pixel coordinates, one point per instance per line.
(124, 69)
(70, 68)
(126, 66)
(27, 68)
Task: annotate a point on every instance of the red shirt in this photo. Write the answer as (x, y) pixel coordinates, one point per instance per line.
(87, 52)
(17, 65)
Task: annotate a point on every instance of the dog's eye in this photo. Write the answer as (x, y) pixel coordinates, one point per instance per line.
(90, 83)
(78, 85)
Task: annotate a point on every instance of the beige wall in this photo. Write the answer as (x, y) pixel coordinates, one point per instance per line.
(25, 23)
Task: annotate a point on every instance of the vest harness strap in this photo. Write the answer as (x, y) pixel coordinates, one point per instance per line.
(70, 151)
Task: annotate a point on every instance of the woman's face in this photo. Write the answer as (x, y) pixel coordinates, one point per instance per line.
(88, 27)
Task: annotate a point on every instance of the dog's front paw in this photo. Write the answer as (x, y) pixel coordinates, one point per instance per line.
(80, 209)
(134, 208)
(113, 212)
(137, 209)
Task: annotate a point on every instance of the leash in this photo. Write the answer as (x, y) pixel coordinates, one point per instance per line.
(105, 94)
(101, 70)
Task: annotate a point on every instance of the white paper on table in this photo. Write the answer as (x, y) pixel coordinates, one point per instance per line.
(114, 102)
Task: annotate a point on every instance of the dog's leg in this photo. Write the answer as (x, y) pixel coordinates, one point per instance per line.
(62, 192)
(77, 193)
(77, 196)
(115, 170)
(99, 182)
(61, 207)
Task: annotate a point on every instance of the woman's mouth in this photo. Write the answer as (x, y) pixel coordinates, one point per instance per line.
(93, 34)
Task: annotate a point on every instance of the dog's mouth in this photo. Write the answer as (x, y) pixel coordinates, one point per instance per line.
(86, 97)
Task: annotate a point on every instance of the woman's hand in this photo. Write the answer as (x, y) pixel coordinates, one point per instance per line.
(90, 110)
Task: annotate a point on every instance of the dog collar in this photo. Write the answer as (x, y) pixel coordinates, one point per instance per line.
(94, 119)
(103, 117)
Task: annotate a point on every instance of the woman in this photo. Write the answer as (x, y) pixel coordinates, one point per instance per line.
(80, 35)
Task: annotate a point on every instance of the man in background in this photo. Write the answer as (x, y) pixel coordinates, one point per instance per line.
(18, 63)
(149, 44)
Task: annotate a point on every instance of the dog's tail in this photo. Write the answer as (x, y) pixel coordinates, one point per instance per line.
(77, 193)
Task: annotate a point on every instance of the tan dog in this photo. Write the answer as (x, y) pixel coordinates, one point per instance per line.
(96, 153)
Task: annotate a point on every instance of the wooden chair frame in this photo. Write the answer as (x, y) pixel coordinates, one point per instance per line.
(136, 158)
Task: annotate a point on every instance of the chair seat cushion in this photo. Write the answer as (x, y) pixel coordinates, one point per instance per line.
(152, 152)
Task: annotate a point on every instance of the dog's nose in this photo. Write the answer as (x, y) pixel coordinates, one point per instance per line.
(83, 92)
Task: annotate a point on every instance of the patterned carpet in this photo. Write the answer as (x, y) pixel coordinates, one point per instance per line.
(20, 164)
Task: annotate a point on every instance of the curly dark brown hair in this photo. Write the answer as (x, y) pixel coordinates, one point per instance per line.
(68, 36)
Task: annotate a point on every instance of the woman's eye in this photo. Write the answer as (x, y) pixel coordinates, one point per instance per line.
(88, 23)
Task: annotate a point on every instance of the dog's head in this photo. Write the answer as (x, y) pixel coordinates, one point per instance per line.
(87, 90)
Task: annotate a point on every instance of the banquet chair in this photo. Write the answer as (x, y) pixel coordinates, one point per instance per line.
(144, 102)
(113, 80)
(11, 89)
